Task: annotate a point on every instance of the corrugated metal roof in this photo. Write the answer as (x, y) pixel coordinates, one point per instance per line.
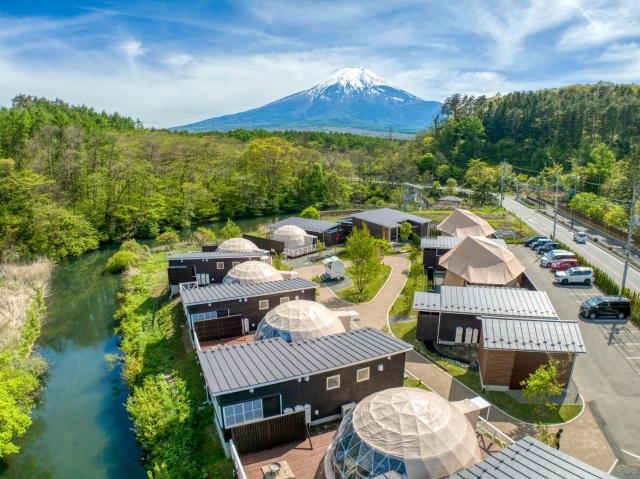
(317, 226)
(388, 217)
(245, 366)
(516, 334)
(487, 301)
(530, 459)
(225, 292)
(217, 255)
(448, 242)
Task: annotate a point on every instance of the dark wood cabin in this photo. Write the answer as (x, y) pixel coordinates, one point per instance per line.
(452, 315)
(266, 393)
(221, 311)
(206, 267)
(385, 223)
(511, 349)
(329, 232)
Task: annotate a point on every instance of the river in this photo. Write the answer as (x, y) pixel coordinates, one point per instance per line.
(80, 428)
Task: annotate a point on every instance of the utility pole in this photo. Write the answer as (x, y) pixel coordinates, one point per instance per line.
(632, 222)
(502, 182)
(555, 208)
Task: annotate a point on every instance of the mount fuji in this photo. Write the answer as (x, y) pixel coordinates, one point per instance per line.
(351, 100)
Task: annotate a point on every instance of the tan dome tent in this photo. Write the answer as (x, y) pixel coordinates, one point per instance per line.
(464, 223)
(237, 245)
(298, 320)
(252, 272)
(292, 236)
(481, 261)
(411, 432)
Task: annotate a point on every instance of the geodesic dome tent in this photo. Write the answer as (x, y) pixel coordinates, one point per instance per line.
(292, 236)
(298, 320)
(411, 432)
(252, 272)
(237, 245)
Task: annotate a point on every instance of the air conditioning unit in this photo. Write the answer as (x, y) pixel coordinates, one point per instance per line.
(347, 408)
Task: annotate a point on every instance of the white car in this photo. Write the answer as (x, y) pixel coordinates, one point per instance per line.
(580, 237)
(577, 275)
(548, 257)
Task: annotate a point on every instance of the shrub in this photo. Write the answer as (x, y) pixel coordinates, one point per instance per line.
(311, 213)
(204, 235)
(142, 251)
(120, 261)
(169, 237)
(230, 230)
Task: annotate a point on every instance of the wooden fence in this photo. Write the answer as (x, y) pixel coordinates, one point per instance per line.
(269, 433)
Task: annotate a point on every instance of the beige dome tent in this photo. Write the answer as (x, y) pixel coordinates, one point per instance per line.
(292, 236)
(252, 272)
(237, 245)
(479, 260)
(298, 320)
(412, 432)
(464, 223)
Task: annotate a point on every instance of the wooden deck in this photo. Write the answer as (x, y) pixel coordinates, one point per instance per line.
(305, 461)
(247, 338)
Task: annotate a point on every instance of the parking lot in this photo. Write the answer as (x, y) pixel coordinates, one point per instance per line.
(608, 376)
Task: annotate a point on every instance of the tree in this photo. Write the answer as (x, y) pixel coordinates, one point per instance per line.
(544, 435)
(230, 230)
(168, 238)
(204, 235)
(405, 230)
(363, 250)
(543, 383)
(452, 184)
(310, 212)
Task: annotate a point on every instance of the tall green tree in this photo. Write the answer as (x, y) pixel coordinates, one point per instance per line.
(365, 257)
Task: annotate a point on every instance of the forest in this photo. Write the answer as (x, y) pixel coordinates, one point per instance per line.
(72, 177)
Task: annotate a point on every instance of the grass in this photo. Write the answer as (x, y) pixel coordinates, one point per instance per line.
(415, 383)
(416, 281)
(372, 287)
(159, 344)
(406, 330)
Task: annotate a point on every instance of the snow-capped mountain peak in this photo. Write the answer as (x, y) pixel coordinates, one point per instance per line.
(349, 80)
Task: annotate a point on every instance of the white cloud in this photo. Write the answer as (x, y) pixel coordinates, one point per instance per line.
(132, 48)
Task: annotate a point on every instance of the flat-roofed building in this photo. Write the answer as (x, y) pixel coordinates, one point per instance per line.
(385, 223)
(329, 232)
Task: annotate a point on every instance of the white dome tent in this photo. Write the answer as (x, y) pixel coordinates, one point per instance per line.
(293, 237)
(237, 245)
(412, 432)
(298, 320)
(252, 272)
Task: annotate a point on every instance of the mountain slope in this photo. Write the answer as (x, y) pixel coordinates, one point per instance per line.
(351, 99)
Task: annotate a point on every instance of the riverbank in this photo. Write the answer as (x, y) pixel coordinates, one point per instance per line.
(167, 401)
(22, 308)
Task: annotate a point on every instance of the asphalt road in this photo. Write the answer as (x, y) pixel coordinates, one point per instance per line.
(608, 376)
(599, 257)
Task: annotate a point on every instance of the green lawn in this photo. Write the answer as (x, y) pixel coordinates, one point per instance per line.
(415, 383)
(406, 331)
(351, 293)
(416, 281)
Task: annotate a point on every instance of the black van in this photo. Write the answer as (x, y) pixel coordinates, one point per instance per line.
(606, 306)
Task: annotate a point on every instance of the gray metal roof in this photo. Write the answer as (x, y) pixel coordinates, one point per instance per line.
(487, 301)
(516, 334)
(448, 242)
(388, 217)
(224, 292)
(530, 459)
(218, 255)
(316, 226)
(239, 367)
(451, 198)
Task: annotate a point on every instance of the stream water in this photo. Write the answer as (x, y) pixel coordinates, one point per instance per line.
(80, 428)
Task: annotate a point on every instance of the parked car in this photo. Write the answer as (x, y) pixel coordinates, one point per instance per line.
(563, 264)
(546, 247)
(577, 275)
(530, 240)
(549, 256)
(535, 245)
(580, 237)
(606, 306)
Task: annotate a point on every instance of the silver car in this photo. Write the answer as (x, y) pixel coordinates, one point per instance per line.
(577, 275)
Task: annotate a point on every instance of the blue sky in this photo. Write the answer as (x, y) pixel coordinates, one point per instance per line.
(170, 63)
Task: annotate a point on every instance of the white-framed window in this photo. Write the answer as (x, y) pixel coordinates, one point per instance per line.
(333, 382)
(235, 263)
(263, 304)
(284, 299)
(220, 265)
(242, 412)
(362, 374)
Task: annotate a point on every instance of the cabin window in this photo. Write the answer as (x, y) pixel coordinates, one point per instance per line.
(220, 265)
(362, 375)
(284, 299)
(242, 412)
(333, 382)
(235, 263)
(263, 304)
